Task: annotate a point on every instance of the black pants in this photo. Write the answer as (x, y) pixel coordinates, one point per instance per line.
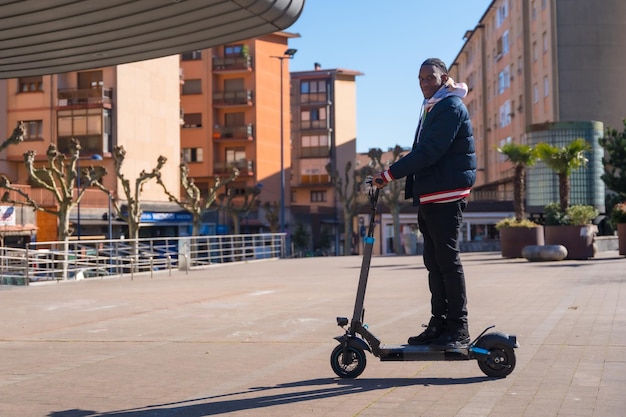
(440, 225)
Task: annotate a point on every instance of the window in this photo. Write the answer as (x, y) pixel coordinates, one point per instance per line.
(502, 45)
(505, 42)
(192, 120)
(192, 154)
(234, 84)
(234, 119)
(502, 13)
(545, 42)
(315, 146)
(534, 51)
(505, 114)
(535, 93)
(192, 87)
(314, 118)
(313, 171)
(504, 80)
(533, 10)
(318, 196)
(236, 188)
(34, 129)
(546, 87)
(30, 84)
(90, 79)
(313, 91)
(235, 154)
(191, 56)
(230, 50)
(92, 127)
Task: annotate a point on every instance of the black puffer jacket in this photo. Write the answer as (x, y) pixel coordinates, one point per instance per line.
(442, 163)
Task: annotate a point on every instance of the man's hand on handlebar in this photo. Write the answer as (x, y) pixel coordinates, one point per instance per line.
(378, 180)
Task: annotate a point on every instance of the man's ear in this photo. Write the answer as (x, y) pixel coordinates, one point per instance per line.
(444, 78)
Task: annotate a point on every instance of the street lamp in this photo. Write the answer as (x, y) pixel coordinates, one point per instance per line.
(289, 53)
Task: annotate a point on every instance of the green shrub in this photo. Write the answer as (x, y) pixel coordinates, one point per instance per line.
(554, 216)
(618, 213)
(578, 215)
(512, 222)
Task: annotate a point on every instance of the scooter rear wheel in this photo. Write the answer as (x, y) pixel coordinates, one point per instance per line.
(500, 362)
(350, 368)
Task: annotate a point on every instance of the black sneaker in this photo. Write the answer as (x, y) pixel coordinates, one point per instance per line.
(452, 339)
(434, 329)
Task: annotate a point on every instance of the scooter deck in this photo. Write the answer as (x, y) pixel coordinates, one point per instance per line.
(421, 353)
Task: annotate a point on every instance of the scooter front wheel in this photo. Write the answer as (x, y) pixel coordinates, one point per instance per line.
(347, 367)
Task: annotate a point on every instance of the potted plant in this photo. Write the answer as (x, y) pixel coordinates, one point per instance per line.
(614, 177)
(518, 232)
(565, 225)
(618, 220)
(515, 235)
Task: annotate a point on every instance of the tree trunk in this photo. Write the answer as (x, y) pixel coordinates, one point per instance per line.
(197, 223)
(564, 191)
(236, 222)
(63, 215)
(519, 186)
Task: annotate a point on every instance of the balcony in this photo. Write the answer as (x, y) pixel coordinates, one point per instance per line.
(45, 198)
(491, 195)
(233, 133)
(245, 167)
(236, 98)
(313, 124)
(87, 97)
(315, 152)
(314, 98)
(314, 179)
(232, 64)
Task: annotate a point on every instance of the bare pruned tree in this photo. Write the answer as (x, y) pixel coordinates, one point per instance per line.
(392, 193)
(133, 195)
(348, 189)
(16, 137)
(239, 205)
(58, 176)
(193, 201)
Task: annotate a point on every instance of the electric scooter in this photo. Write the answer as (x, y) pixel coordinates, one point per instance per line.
(493, 351)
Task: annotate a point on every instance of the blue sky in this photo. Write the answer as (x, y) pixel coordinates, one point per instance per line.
(387, 41)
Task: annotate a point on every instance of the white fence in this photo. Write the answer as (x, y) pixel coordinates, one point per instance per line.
(53, 261)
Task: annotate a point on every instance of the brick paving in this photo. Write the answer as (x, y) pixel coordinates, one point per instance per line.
(254, 339)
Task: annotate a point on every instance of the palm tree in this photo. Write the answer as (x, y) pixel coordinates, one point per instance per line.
(563, 161)
(521, 156)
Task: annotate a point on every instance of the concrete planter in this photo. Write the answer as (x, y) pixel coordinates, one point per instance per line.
(514, 239)
(621, 238)
(579, 240)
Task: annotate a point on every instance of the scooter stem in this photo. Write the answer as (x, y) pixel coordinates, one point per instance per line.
(357, 315)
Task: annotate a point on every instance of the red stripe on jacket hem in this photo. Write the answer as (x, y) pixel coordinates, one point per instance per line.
(447, 196)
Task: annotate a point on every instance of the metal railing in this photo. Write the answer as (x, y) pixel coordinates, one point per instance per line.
(56, 261)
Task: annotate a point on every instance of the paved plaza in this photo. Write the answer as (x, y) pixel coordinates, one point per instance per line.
(254, 339)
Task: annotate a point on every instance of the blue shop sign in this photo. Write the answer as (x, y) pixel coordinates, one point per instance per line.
(158, 217)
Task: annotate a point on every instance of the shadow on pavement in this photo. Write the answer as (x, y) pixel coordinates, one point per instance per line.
(221, 404)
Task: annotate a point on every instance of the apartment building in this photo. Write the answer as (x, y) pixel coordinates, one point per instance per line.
(543, 70)
(133, 105)
(231, 111)
(323, 130)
